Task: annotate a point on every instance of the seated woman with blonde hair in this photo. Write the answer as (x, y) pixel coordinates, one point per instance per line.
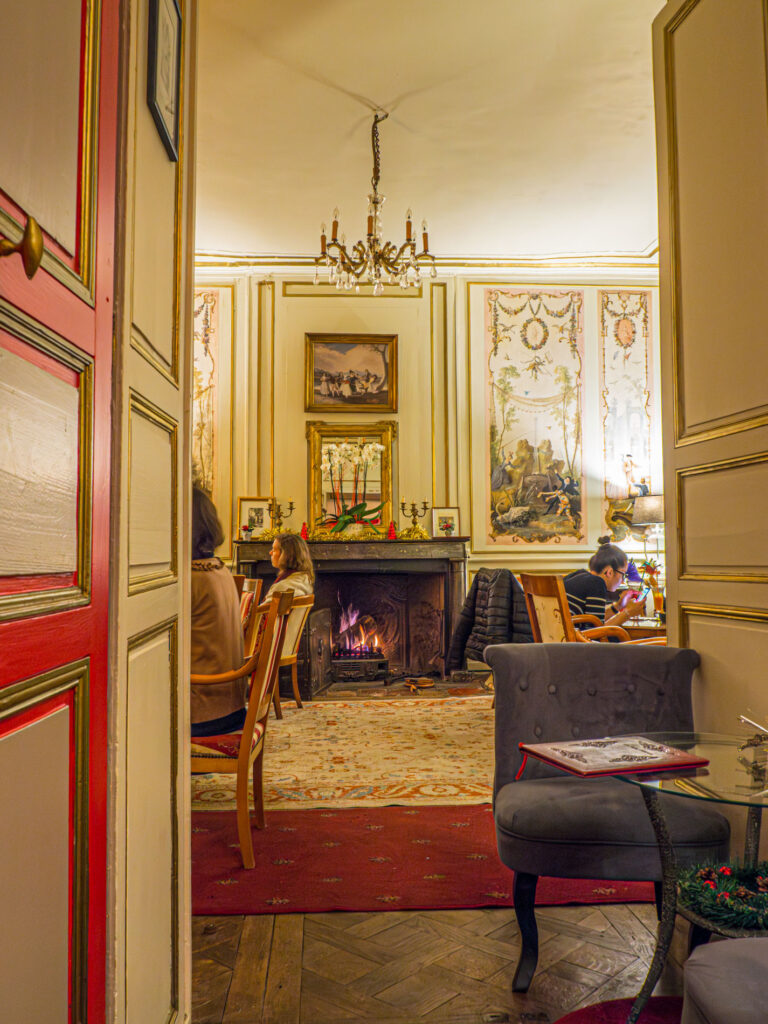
(290, 556)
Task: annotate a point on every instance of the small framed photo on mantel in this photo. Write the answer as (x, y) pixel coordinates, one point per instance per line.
(445, 522)
(164, 71)
(253, 518)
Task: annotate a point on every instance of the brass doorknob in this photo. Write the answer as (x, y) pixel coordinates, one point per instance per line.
(30, 247)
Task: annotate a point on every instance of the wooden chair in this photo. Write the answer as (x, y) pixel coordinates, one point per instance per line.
(249, 616)
(552, 622)
(300, 610)
(242, 753)
(239, 579)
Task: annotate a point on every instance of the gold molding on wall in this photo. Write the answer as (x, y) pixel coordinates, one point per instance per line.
(35, 334)
(141, 406)
(441, 287)
(171, 627)
(20, 697)
(688, 610)
(622, 261)
(736, 422)
(262, 288)
(711, 467)
(322, 290)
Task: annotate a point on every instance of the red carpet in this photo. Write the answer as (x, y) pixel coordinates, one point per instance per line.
(659, 1010)
(378, 858)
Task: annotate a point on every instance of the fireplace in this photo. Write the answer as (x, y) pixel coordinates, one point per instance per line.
(393, 603)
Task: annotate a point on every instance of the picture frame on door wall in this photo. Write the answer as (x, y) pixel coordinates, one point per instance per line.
(164, 71)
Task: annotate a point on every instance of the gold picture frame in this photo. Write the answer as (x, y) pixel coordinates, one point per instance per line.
(351, 373)
(255, 513)
(383, 432)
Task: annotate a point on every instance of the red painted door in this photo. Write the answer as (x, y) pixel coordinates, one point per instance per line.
(57, 164)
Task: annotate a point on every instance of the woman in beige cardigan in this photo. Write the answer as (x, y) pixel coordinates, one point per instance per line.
(217, 631)
(290, 556)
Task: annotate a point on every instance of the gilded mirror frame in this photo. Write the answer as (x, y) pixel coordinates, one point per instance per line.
(383, 431)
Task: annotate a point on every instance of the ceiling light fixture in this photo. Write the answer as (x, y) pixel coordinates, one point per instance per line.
(374, 261)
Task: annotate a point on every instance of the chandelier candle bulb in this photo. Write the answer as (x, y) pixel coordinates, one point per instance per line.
(408, 226)
(322, 239)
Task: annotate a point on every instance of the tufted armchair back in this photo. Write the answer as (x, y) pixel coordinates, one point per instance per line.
(549, 692)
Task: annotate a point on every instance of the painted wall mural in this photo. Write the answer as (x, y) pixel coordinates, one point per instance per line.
(534, 349)
(205, 383)
(625, 388)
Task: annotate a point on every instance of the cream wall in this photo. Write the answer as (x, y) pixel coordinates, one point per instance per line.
(439, 453)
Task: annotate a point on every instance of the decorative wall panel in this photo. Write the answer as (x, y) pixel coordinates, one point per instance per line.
(625, 394)
(151, 855)
(534, 352)
(722, 526)
(205, 446)
(152, 533)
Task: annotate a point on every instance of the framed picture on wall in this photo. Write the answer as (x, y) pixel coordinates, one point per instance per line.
(351, 373)
(445, 522)
(164, 71)
(253, 517)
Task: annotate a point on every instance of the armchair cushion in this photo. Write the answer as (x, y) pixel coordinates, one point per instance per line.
(225, 746)
(598, 828)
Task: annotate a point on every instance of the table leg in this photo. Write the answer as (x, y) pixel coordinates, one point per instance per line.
(666, 925)
(752, 838)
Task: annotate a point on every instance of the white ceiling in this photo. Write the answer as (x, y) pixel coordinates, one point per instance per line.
(516, 128)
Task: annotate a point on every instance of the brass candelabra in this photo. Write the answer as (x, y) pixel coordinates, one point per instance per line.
(414, 531)
(276, 515)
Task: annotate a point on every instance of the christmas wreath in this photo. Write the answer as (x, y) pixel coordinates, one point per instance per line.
(727, 894)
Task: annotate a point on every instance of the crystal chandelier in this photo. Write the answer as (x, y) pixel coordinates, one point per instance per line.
(374, 261)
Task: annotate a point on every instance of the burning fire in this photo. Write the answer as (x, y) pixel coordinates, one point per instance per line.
(358, 634)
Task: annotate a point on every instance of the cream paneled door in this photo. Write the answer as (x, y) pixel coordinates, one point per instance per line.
(58, 108)
(711, 83)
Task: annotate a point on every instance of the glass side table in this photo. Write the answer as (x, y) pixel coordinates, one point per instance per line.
(737, 774)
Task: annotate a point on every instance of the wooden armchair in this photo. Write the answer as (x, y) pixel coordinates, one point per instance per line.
(552, 622)
(242, 753)
(300, 610)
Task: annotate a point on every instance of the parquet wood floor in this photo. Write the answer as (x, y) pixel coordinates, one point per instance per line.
(419, 967)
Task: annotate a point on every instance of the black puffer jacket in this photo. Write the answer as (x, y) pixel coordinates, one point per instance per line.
(493, 613)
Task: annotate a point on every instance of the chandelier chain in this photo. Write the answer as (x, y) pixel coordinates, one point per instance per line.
(376, 149)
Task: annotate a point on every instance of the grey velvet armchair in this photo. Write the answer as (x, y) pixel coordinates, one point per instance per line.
(553, 824)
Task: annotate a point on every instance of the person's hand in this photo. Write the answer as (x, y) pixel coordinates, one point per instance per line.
(633, 608)
(625, 598)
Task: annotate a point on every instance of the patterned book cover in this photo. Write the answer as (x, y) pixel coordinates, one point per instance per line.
(613, 755)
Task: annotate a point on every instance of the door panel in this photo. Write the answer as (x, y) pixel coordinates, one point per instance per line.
(711, 87)
(55, 421)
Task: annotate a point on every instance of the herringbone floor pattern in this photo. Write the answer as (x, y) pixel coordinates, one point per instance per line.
(441, 967)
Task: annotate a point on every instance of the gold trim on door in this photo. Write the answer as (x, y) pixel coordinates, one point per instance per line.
(143, 407)
(20, 697)
(688, 610)
(171, 627)
(736, 422)
(35, 334)
(80, 281)
(711, 467)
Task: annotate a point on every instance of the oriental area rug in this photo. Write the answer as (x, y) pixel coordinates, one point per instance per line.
(658, 1010)
(370, 753)
(370, 805)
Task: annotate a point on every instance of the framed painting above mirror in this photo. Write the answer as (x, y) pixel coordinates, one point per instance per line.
(350, 474)
(351, 373)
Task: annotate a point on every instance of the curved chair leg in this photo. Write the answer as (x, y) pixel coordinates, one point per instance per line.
(524, 896)
(258, 790)
(276, 702)
(244, 821)
(295, 685)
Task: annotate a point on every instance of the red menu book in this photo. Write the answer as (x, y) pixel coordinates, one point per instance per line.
(613, 755)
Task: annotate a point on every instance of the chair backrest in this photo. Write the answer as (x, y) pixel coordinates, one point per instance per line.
(270, 649)
(300, 610)
(249, 615)
(547, 604)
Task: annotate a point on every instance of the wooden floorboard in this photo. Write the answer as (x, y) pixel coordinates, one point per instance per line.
(419, 967)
